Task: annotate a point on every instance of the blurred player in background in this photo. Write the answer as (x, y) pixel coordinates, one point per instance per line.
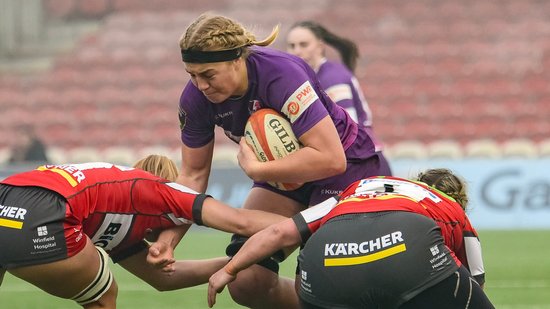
(29, 148)
(233, 75)
(61, 222)
(308, 40)
(385, 242)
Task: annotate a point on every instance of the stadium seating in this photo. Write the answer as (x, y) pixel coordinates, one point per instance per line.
(483, 149)
(56, 155)
(5, 154)
(407, 149)
(83, 154)
(174, 154)
(119, 155)
(544, 148)
(519, 148)
(445, 149)
(437, 73)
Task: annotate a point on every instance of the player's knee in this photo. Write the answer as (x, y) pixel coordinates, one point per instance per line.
(102, 289)
(244, 292)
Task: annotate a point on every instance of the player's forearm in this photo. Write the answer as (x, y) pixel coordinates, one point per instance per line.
(197, 182)
(173, 236)
(264, 244)
(253, 221)
(299, 167)
(195, 166)
(190, 273)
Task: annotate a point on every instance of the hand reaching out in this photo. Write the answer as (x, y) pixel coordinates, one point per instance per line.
(161, 255)
(217, 283)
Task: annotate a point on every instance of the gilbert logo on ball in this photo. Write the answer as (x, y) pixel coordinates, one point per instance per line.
(271, 137)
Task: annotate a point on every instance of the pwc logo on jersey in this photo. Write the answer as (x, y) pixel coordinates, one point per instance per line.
(112, 231)
(347, 254)
(299, 101)
(12, 217)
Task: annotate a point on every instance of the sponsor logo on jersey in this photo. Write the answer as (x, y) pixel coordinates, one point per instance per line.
(112, 231)
(254, 105)
(44, 242)
(42, 230)
(293, 108)
(12, 217)
(303, 282)
(346, 254)
(440, 259)
(434, 250)
(299, 101)
(71, 173)
(223, 115)
(331, 192)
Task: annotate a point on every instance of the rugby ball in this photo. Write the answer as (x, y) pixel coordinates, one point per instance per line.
(271, 137)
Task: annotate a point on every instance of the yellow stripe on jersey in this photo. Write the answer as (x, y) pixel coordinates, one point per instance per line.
(11, 224)
(366, 258)
(61, 172)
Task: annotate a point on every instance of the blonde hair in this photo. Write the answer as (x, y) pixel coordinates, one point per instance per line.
(215, 32)
(159, 165)
(445, 181)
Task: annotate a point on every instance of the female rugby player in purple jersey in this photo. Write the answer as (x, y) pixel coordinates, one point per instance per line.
(232, 76)
(308, 40)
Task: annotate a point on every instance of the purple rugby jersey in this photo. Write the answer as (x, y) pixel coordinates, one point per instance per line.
(275, 80)
(344, 89)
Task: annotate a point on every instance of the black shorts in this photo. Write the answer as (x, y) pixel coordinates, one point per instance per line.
(31, 226)
(378, 260)
(458, 291)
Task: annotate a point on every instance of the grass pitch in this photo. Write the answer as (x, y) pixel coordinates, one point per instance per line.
(517, 265)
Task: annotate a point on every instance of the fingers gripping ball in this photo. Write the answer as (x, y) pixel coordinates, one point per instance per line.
(271, 137)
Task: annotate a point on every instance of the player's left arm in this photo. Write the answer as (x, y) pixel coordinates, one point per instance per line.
(322, 156)
(246, 222)
(186, 273)
(261, 245)
(161, 251)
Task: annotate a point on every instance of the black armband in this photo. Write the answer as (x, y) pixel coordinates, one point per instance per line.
(197, 208)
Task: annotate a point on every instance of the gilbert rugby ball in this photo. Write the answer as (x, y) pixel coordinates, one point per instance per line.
(271, 137)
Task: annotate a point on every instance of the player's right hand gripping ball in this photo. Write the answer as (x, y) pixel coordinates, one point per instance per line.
(271, 137)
